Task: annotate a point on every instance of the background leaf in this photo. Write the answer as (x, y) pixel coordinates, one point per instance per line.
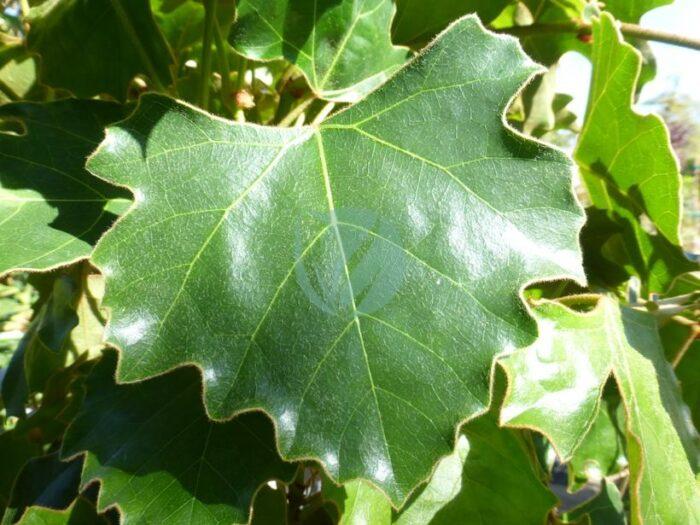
(80, 512)
(489, 478)
(104, 44)
(44, 482)
(51, 209)
(627, 163)
(417, 21)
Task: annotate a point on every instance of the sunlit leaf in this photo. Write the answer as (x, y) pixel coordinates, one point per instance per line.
(628, 166)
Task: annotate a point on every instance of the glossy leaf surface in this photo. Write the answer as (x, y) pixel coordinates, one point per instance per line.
(277, 258)
(52, 210)
(104, 44)
(158, 456)
(627, 342)
(329, 40)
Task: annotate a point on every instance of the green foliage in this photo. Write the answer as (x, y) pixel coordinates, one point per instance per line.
(302, 315)
(158, 457)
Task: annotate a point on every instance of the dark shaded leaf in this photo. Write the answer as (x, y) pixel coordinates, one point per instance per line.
(160, 459)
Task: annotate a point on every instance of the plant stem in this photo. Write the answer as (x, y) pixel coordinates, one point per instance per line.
(24, 7)
(205, 65)
(240, 76)
(325, 111)
(683, 350)
(240, 80)
(225, 71)
(296, 111)
(582, 28)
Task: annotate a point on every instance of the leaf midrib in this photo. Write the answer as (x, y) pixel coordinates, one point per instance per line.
(334, 224)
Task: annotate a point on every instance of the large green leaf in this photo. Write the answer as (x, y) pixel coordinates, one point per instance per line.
(51, 209)
(160, 459)
(417, 20)
(626, 158)
(555, 386)
(90, 47)
(355, 279)
(330, 40)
